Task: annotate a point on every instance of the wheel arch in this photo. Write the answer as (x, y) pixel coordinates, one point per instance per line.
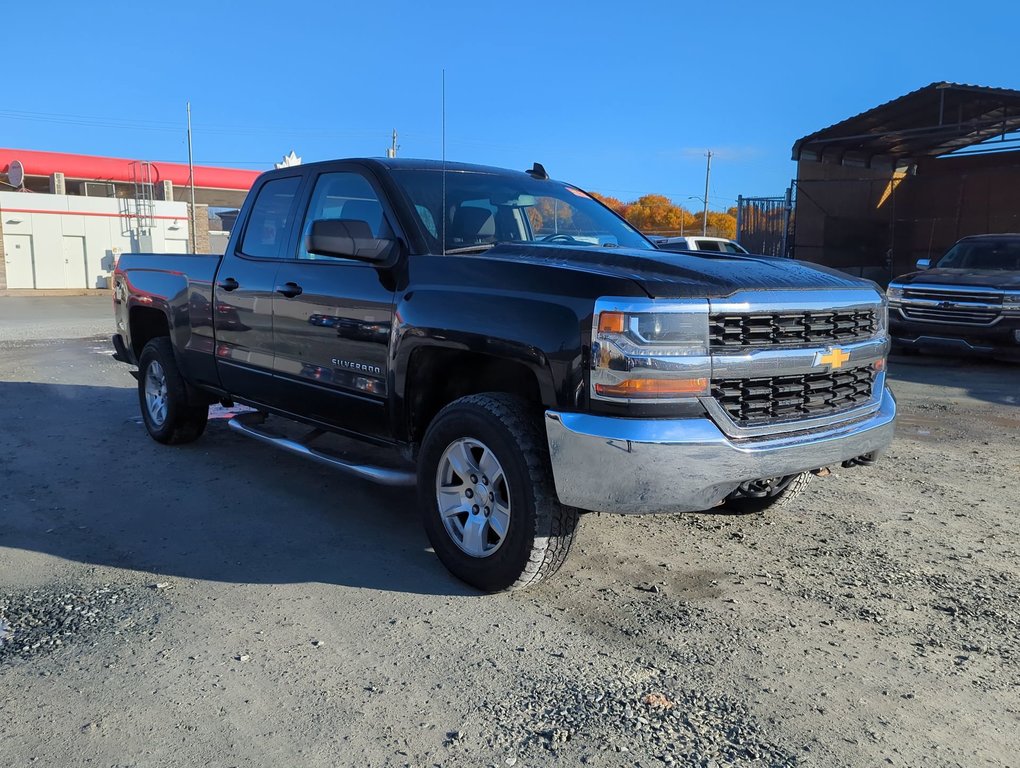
(146, 324)
(437, 376)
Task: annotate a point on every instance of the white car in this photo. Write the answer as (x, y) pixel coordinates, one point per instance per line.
(698, 243)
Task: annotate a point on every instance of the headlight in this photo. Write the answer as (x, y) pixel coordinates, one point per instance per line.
(883, 317)
(649, 350)
(894, 293)
(1011, 302)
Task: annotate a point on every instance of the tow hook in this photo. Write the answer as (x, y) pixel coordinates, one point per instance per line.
(864, 460)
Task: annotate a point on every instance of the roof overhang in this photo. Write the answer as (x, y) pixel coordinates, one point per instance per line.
(929, 122)
(93, 168)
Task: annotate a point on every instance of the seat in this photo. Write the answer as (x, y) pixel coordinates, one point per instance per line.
(471, 226)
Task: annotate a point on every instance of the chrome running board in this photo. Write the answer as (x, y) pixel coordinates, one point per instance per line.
(248, 424)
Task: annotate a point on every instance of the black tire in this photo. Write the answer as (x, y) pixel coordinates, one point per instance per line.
(183, 421)
(540, 529)
(786, 490)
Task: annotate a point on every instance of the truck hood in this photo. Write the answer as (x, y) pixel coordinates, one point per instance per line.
(664, 274)
(995, 279)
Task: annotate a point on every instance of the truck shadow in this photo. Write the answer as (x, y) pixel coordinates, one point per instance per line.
(991, 381)
(82, 480)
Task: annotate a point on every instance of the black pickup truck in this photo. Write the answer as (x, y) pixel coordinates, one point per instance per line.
(967, 302)
(510, 346)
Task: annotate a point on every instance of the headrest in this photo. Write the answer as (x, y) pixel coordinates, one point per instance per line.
(471, 224)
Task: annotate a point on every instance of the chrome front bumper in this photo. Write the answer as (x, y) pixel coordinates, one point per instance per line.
(636, 466)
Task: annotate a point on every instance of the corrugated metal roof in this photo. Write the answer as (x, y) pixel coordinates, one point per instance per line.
(931, 121)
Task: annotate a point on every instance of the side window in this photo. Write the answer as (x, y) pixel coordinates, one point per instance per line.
(427, 219)
(269, 221)
(346, 196)
(708, 245)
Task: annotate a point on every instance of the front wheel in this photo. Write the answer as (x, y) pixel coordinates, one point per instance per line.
(488, 501)
(168, 414)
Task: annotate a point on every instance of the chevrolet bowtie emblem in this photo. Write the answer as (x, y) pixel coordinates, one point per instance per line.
(834, 358)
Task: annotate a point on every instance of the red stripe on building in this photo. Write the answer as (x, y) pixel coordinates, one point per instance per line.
(93, 168)
(183, 216)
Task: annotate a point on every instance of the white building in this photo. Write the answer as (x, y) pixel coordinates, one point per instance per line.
(64, 241)
(64, 219)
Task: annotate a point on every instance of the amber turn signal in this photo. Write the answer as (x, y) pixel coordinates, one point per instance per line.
(653, 388)
(612, 322)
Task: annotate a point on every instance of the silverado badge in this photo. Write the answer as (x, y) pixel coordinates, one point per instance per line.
(834, 358)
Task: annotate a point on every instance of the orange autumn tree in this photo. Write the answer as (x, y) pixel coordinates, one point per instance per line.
(550, 214)
(719, 224)
(651, 214)
(614, 203)
(658, 214)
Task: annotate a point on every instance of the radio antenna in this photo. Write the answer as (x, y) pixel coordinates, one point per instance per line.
(443, 214)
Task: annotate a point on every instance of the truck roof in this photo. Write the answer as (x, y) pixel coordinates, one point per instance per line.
(407, 163)
(991, 236)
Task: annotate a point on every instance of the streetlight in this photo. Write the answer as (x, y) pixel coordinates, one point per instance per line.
(701, 200)
(708, 174)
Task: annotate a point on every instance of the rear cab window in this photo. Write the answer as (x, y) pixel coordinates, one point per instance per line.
(708, 245)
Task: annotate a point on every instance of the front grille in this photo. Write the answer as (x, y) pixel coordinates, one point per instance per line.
(944, 305)
(751, 402)
(948, 294)
(947, 315)
(771, 329)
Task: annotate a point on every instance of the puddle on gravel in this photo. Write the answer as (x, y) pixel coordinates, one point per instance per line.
(925, 428)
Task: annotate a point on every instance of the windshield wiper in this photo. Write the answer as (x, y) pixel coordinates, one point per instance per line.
(471, 248)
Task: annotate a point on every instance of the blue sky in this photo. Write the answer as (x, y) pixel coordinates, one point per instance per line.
(621, 98)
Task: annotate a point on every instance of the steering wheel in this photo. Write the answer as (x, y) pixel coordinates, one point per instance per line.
(558, 238)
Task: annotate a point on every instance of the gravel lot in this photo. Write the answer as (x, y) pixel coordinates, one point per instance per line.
(223, 604)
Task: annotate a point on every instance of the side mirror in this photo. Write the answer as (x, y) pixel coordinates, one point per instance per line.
(924, 263)
(348, 239)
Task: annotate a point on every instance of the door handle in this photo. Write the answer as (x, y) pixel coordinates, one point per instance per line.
(290, 290)
(230, 284)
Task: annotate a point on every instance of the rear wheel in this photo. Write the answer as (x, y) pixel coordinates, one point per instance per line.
(768, 494)
(168, 415)
(487, 497)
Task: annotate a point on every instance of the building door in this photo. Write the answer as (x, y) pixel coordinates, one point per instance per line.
(75, 268)
(20, 261)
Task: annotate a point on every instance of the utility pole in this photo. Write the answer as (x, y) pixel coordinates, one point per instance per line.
(392, 151)
(708, 175)
(191, 182)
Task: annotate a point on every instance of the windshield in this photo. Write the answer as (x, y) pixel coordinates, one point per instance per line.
(483, 209)
(983, 254)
